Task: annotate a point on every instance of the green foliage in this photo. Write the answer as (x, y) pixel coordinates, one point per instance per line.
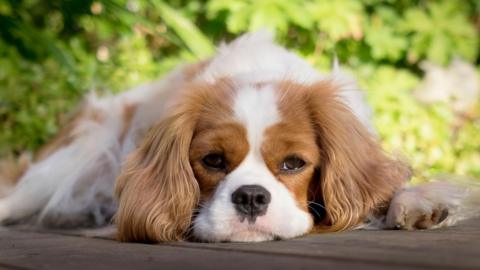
(53, 52)
(383, 35)
(424, 135)
(440, 31)
(194, 40)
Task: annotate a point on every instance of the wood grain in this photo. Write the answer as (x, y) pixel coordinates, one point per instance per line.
(449, 248)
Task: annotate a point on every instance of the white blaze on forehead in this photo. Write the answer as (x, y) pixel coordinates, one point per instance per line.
(257, 110)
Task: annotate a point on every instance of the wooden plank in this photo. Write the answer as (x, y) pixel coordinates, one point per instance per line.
(68, 252)
(450, 248)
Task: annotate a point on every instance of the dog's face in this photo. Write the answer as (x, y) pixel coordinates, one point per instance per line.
(254, 166)
(253, 162)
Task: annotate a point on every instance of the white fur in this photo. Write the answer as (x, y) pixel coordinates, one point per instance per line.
(65, 183)
(258, 58)
(256, 109)
(352, 96)
(75, 183)
(218, 220)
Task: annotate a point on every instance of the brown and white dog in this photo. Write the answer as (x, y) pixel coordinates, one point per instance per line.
(251, 145)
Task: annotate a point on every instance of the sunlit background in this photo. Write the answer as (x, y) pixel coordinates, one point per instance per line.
(417, 61)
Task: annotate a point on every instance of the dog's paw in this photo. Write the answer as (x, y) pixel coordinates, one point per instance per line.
(415, 208)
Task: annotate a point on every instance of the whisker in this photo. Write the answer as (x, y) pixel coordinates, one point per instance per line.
(317, 204)
(315, 211)
(202, 205)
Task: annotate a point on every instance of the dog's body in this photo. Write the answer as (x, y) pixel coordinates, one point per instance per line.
(337, 179)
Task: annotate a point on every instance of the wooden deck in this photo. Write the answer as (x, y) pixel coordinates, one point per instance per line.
(451, 248)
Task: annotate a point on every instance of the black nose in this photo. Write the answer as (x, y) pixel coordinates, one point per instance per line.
(251, 201)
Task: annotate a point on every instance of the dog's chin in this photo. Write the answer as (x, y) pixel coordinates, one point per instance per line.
(236, 231)
(251, 236)
(258, 231)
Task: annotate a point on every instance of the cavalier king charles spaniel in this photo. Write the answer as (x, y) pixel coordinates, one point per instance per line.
(252, 144)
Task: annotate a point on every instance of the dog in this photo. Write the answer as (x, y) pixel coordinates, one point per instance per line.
(250, 145)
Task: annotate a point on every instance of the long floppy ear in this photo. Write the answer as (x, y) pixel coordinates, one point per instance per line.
(157, 190)
(356, 177)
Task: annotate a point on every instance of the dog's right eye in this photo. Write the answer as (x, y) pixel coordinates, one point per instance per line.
(292, 164)
(215, 161)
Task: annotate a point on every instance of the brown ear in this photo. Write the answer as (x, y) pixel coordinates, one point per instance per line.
(157, 190)
(356, 177)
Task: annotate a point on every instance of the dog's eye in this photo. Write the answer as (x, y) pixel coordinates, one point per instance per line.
(214, 161)
(292, 164)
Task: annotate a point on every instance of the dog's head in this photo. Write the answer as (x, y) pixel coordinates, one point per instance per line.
(252, 162)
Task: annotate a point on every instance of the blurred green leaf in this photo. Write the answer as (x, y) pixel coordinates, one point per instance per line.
(186, 30)
(439, 32)
(338, 19)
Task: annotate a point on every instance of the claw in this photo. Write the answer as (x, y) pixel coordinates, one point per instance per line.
(443, 216)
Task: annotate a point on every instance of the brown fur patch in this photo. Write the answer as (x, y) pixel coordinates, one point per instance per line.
(294, 135)
(355, 176)
(11, 170)
(229, 139)
(217, 131)
(157, 188)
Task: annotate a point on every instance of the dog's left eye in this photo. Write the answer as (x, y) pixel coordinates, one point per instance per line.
(215, 161)
(292, 164)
